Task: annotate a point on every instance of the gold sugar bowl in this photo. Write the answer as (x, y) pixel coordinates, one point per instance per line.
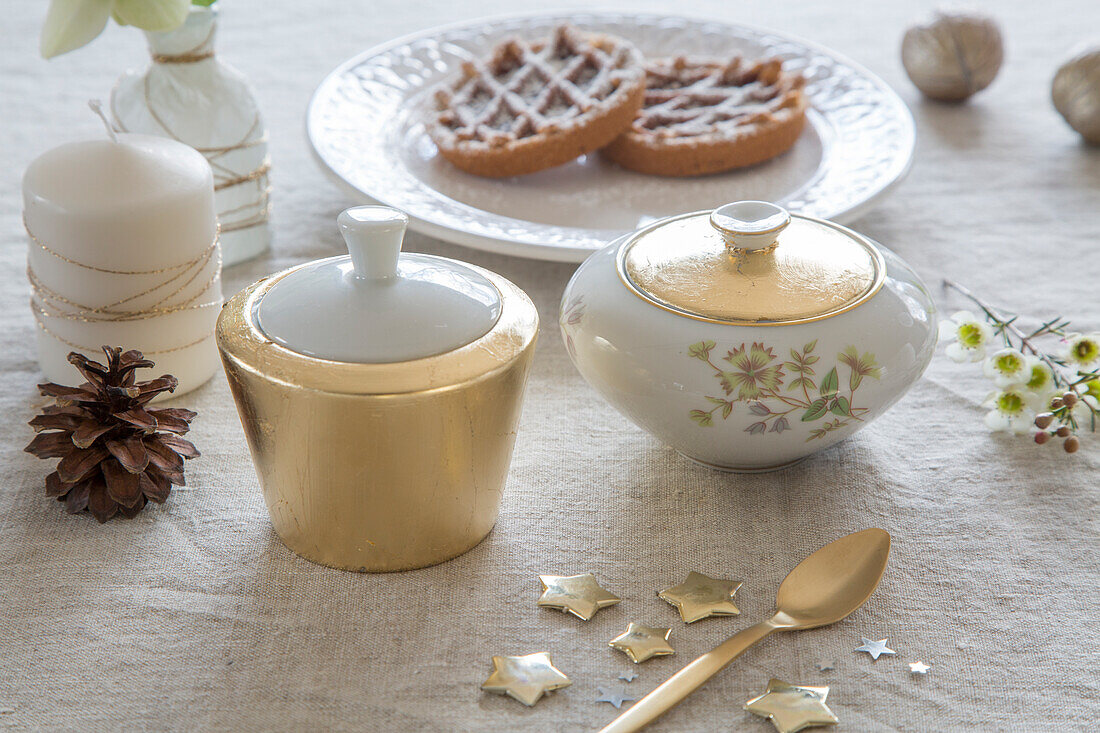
(380, 394)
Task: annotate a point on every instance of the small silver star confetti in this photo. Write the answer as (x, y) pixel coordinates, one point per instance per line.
(875, 648)
(825, 666)
(615, 698)
(919, 667)
(628, 676)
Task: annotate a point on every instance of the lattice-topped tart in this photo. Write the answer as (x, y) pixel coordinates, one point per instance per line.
(705, 116)
(532, 106)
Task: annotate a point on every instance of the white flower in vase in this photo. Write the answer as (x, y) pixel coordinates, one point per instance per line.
(966, 336)
(1007, 367)
(1012, 410)
(1082, 350)
(71, 24)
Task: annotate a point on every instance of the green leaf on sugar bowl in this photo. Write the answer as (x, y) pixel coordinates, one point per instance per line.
(841, 406)
(830, 384)
(701, 350)
(817, 409)
(702, 417)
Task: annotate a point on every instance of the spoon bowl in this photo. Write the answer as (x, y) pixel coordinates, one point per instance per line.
(822, 589)
(833, 582)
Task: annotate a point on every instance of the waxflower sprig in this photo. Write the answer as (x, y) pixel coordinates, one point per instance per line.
(71, 24)
(1047, 380)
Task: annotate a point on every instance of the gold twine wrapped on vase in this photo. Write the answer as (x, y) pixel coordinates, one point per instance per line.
(189, 95)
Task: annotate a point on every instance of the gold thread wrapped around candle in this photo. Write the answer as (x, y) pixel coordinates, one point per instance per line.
(44, 299)
(124, 248)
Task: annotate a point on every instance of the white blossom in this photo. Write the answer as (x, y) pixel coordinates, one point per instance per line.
(1039, 380)
(1082, 350)
(1007, 367)
(1012, 410)
(966, 336)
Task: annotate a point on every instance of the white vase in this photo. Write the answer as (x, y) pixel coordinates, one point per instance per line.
(188, 94)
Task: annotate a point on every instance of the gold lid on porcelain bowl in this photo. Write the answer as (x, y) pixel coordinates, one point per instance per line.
(751, 263)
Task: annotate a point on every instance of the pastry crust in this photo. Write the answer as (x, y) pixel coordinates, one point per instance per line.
(535, 106)
(707, 116)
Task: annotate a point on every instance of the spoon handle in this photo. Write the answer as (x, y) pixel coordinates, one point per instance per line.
(684, 682)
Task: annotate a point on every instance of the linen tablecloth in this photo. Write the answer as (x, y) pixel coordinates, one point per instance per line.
(194, 616)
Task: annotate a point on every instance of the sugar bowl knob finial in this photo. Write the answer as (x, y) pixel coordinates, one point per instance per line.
(750, 226)
(373, 235)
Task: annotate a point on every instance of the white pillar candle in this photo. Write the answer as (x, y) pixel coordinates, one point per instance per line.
(123, 251)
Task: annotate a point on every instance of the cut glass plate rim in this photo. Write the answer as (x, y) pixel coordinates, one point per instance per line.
(492, 232)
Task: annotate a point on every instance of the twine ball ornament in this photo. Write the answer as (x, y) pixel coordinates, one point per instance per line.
(1076, 92)
(954, 56)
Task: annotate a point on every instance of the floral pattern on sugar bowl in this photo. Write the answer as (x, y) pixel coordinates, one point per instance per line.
(571, 316)
(753, 349)
(756, 377)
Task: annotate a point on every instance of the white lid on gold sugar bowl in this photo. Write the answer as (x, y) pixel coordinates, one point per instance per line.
(377, 305)
(751, 263)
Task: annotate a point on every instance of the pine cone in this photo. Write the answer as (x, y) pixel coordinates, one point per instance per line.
(115, 454)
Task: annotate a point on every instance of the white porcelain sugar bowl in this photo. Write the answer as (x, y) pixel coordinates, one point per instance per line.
(748, 338)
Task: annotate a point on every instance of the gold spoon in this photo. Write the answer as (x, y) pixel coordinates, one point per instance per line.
(824, 588)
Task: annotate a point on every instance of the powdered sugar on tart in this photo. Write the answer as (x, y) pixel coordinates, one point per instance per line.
(705, 116)
(532, 106)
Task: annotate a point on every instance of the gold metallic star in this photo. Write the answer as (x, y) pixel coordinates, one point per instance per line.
(579, 595)
(701, 596)
(525, 678)
(642, 642)
(791, 708)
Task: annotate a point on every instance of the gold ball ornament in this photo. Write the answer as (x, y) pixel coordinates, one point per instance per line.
(954, 56)
(1076, 92)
